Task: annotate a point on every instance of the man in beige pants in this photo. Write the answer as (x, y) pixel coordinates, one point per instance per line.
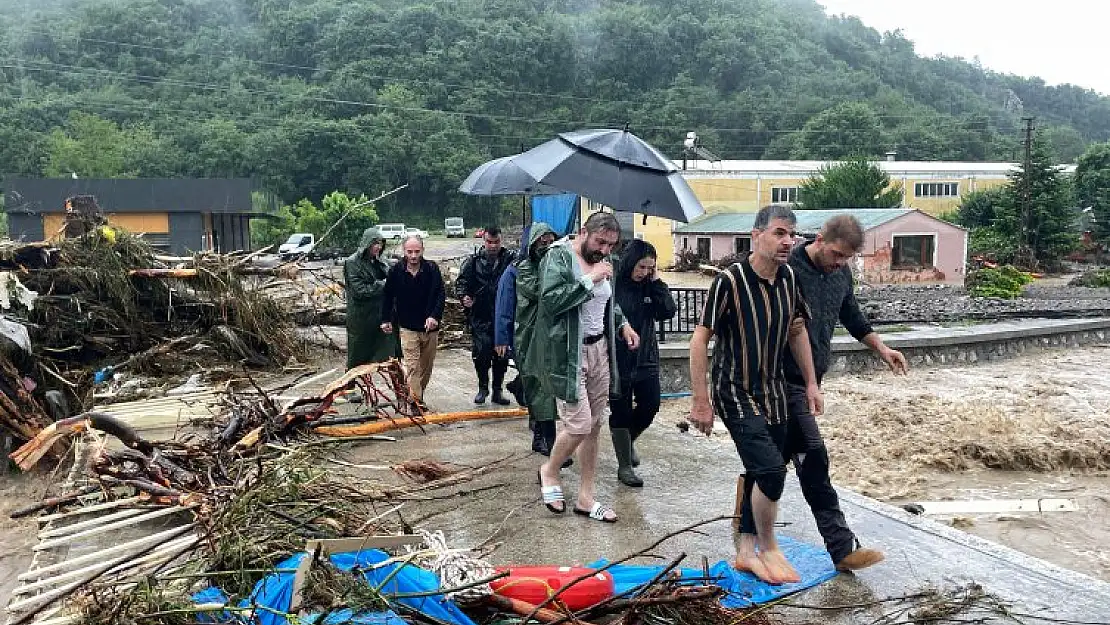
(413, 299)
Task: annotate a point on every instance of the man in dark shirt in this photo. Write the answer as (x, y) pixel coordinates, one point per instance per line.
(821, 268)
(750, 309)
(413, 299)
(477, 290)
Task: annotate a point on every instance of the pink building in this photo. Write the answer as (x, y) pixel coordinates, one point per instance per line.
(900, 244)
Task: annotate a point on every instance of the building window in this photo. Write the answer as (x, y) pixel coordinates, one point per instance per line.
(743, 245)
(913, 251)
(936, 189)
(703, 248)
(783, 195)
(685, 243)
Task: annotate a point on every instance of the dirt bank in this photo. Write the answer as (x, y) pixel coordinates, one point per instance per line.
(1026, 428)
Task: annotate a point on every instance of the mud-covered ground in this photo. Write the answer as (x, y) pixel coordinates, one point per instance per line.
(1033, 427)
(17, 535)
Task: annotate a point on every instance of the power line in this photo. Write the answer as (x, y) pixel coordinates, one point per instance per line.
(408, 79)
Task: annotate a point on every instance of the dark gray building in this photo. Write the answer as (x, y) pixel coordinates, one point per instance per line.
(179, 216)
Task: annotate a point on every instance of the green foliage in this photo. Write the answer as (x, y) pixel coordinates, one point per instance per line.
(1004, 282)
(1092, 187)
(979, 209)
(991, 244)
(1093, 279)
(856, 183)
(1045, 231)
(304, 216)
(307, 97)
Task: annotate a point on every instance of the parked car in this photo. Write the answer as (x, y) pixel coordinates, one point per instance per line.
(299, 244)
(392, 231)
(423, 234)
(453, 226)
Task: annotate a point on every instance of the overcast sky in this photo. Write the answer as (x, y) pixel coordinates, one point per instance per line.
(1063, 41)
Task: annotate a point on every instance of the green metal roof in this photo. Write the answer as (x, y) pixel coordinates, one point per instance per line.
(809, 221)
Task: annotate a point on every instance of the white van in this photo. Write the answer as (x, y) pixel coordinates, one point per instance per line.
(392, 231)
(301, 243)
(454, 227)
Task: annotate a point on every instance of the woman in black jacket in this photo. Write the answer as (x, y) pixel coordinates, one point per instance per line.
(644, 299)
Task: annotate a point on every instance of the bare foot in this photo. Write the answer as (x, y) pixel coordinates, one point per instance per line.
(778, 567)
(750, 563)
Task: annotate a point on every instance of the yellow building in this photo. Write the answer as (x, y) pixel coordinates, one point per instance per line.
(933, 187)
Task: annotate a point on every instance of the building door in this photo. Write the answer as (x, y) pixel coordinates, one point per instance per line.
(703, 248)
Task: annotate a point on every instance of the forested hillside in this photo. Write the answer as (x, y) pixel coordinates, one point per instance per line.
(309, 96)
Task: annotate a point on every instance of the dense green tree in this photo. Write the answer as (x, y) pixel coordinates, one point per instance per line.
(980, 209)
(1040, 214)
(310, 96)
(856, 183)
(1092, 187)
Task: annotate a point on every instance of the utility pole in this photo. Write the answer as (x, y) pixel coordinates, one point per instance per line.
(1025, 250)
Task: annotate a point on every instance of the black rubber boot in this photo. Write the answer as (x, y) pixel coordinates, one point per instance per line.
(499, 368)
(622, 445)
(483, 386)
(516, 388)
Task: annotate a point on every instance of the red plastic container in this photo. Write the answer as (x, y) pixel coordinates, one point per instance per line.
(534, 584)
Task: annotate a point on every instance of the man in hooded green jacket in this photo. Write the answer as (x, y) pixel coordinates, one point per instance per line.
(364, 275)
(577, 325)
(541, 405)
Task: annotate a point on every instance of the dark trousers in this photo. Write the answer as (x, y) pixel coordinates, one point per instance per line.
(636, 407)
(482, 365)
(761, 446)
(806, 448)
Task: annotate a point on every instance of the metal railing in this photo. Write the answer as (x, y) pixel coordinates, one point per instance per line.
(689, 303)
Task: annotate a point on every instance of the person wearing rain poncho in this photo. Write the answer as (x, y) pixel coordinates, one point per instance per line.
(364, 274)
(577, 325)
(644, 299)
(517, 308)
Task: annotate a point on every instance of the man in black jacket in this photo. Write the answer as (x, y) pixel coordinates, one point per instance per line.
(826, 281)
(644, 299)
(413, 298)
(477, 290)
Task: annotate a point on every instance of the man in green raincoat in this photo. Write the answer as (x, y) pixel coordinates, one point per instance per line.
(364, 275)
(577, 326)
(541, 405)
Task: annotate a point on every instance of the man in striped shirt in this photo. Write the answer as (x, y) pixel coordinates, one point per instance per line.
(749, 310)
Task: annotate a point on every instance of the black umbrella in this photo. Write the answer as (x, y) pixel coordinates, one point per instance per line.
(502, 176)
(615, 168)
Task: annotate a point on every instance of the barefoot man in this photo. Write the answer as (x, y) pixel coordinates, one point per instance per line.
(749, 309)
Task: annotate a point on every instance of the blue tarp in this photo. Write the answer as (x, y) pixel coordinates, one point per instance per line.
(557, 211)
(743, 589)
(276, 591)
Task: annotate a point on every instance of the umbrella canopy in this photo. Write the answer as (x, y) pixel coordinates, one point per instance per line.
(614, 168)
(621, 146)
(502, 176)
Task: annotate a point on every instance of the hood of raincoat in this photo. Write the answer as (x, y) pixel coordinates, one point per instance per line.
(634, 251)
(369, 237)
(538, 230)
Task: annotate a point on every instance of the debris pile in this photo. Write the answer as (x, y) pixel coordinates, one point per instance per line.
(107, 300)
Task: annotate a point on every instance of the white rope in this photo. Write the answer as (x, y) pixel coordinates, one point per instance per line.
(455, 568)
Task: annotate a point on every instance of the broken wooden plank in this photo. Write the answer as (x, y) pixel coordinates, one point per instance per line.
(329, 546)
(101, 520)
(998, 506)
(150, 516)
(100, 507)
(128, 547)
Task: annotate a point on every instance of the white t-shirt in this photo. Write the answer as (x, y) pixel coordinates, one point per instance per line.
(593, 311)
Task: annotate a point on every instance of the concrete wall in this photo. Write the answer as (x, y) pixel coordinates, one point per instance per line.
(949, 263)
(927, 348)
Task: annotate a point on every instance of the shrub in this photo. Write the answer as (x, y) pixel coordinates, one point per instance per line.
(1093, 279)
(1004, 282)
